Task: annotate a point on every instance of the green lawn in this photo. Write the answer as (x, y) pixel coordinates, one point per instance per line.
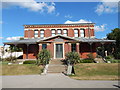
(25, 69)
(96, 71)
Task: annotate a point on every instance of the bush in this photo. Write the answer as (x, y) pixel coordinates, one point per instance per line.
(90, 56)
(72, 57)
(29, 62)
(11, 58)
(113, 61)
(87, 61)
(109, 57)
(43, 57)
(117, 55)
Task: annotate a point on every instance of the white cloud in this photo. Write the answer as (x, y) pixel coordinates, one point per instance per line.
(96, 28)
(68, 16)
(100, 28)
(107, 6)
(79, 21)
(30, 4)
(57, 14)
(13, 38)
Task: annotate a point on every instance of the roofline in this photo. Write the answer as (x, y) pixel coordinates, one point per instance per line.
(59, 24)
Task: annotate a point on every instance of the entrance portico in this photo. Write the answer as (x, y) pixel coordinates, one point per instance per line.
(58, 46)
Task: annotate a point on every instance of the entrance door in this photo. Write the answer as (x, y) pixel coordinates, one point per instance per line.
(59, 50)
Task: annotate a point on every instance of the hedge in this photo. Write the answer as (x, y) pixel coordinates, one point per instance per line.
(29, 62)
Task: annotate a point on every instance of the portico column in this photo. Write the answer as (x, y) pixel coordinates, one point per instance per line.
(90, 43)
(69, 47)
(40, 47)
(27, 51)
(77, 47)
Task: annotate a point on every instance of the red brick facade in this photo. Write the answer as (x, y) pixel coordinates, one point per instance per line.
(82, 48)
(29, 30)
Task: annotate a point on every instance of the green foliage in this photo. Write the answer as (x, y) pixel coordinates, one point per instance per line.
(90, 56)
(100, 51)
(21, 38)
(117, 55)
(87, 61)
(43, 57)
(72, 57)
(109, 57)
(11, 58)
(114, 35)
(29, 62)
(113, 60)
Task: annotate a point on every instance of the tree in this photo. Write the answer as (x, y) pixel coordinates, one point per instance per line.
(72, 58)
(115, 35)
(13, 49)
(43, 57)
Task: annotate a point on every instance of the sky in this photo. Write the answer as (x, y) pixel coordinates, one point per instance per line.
(15, 14)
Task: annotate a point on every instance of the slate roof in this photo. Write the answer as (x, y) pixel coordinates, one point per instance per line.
(37, 40)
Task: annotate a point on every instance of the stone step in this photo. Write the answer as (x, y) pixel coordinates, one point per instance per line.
(56, 62)
(56, 66)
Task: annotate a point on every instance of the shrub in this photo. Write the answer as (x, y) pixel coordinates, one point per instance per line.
(109, 57)
(29, 62)
(11, 58)
(90, 56)
(87, 61)
(43, 57)
(72, 57)
(117, 55)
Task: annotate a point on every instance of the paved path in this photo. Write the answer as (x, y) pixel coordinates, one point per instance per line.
(52, 81)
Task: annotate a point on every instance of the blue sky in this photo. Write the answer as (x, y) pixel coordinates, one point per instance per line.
(15, 15)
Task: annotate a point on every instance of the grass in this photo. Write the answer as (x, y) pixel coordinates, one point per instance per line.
(96, 71)
(25, 69)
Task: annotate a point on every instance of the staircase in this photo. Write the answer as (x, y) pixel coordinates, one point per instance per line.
(56, 66)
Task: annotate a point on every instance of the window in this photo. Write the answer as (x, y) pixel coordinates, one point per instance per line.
(44, 46)
(41, 33)
(82, 33)
(65, 32)
(53, 32)
(76, 32)
(73, 47)
(59, 31)
(35, 33)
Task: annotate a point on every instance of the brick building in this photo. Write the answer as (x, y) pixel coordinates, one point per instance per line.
(59, 39)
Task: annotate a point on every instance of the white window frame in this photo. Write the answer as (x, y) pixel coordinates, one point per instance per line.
(53, 33)
(36, 33)
(65, 33)
(82, 33)
(42, 33)
(59, 31)
(76, 33)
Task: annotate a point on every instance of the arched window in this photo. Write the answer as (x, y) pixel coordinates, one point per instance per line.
(35, 33)
(65, 33)
(82, 33)
(53, 32)
(59, 31)
(75, 32)
(42, 33)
